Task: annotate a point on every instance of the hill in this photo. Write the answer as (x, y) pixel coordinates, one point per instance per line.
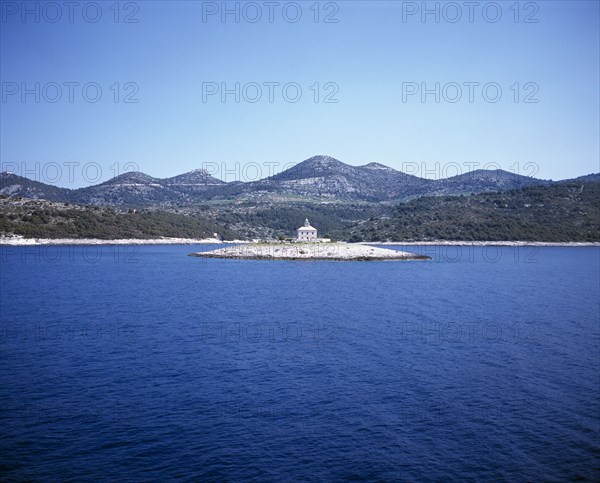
(44, 219)
(317, 179)
(133, 189)
(481, 181)
(557, 213)
(14, 185)
(565, 212)
(324, 177)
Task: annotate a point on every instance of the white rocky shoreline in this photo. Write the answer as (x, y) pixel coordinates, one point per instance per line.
(336, 251)
(22, 241)
(485, 243)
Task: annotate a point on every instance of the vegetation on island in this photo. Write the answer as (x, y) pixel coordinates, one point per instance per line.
(561, 212)
(42, 219)
(280, 221)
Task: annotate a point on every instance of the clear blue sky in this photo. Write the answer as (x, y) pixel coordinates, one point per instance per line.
(368, 53)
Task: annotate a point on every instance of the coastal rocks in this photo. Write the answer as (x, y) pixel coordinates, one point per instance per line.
(309, 251)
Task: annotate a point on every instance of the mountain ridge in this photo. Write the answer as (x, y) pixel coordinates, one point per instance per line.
(318, 178)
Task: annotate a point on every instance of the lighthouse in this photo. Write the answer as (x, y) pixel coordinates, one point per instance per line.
(306, 232)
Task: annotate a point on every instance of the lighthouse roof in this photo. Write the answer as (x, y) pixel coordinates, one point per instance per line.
(307, 226)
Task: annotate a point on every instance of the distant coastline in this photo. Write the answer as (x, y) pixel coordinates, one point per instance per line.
(22, 241)
(488, 207)
(486, 243)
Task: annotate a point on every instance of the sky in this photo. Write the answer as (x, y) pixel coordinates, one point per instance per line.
(90, 90)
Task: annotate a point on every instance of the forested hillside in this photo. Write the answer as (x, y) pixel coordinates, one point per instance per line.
(565, 212)
(43, 219)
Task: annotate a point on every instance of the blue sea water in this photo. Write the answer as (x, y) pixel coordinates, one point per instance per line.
(144, 364)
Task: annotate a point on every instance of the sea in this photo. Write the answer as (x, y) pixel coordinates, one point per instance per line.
(141, 363)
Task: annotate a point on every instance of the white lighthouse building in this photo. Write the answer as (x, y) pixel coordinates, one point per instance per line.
(306, 232)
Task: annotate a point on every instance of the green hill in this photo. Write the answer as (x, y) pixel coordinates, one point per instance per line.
(556, 213)
(44, 219)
